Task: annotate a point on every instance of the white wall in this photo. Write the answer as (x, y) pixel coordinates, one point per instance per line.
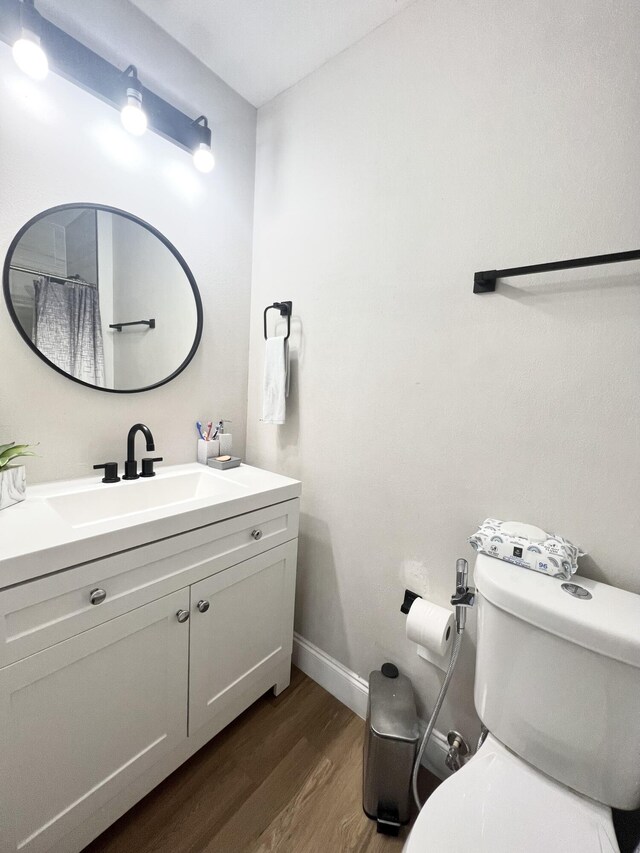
(457, 137)
(149, 282)
(82, 246)
(59, 144)
(105, 279)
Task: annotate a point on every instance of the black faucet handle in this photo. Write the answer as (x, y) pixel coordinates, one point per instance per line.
(130, 470)
(110, 472)
(147, 466)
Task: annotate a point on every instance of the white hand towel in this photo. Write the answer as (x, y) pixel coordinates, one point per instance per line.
(276, 380)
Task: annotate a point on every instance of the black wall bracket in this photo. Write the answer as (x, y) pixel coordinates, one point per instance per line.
(485, 281)
(409, 598)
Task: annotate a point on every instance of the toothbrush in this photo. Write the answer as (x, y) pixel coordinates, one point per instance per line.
(200, 430)
(207, 436)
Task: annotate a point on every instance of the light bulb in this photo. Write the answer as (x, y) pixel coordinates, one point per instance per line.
(133, 116)
(30, 57)
(203, 159)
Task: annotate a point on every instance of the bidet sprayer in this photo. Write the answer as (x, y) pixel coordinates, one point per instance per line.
(464, 596)
(462, 573)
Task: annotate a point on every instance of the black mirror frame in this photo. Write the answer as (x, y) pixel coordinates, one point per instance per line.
(156, 233)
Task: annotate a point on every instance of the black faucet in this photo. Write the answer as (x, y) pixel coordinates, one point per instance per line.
(131, 466)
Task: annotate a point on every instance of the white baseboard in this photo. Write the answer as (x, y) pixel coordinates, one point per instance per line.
(329, 673)
(353, 691)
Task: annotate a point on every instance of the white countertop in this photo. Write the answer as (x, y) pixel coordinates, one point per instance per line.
(37, 539)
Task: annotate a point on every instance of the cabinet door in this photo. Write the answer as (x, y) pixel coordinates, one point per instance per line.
(80, 720)
(246, 630)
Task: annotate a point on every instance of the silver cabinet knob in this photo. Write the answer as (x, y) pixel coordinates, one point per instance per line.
(97, 596)
(256, 534)
(182, 615)
(203, 605)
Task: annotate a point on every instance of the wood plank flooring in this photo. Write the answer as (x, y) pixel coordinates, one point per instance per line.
(285, 777)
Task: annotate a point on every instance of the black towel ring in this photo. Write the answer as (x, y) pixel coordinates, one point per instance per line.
(285, 309)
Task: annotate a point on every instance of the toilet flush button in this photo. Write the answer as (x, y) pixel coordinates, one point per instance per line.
(576, 591)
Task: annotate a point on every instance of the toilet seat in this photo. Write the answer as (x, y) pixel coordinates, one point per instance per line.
(497, 803)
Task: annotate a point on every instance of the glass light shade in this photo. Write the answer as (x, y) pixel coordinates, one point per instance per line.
(134, 118)
(30, 57)
(203, 159)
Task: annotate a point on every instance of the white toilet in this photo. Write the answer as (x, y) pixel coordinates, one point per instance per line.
(558, 686)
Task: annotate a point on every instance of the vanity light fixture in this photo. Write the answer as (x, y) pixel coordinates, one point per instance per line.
(133, 116)
(27, 50)
(23, 27)
(203, 158)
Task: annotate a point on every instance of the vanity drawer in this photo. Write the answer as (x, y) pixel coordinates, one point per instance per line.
(40, 613)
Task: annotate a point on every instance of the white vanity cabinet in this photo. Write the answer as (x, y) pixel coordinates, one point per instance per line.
(100, 701)
(81, 719)
(242, 624)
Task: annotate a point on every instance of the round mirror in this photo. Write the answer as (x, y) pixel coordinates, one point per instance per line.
(103, 297)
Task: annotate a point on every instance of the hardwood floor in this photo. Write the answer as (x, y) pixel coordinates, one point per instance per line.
(285, 777)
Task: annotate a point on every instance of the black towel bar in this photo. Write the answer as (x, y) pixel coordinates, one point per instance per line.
(150, 323)
(485, 282)
(285, 309)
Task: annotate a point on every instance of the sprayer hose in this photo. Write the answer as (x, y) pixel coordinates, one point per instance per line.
(434, 716)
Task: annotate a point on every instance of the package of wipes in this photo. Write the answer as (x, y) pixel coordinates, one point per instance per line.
(527, 546)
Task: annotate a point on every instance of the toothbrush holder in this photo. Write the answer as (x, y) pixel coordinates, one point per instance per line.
(207, 450)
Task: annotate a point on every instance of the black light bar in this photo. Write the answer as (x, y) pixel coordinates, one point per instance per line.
(71, 59)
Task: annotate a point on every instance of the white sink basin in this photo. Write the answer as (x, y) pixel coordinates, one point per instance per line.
(66, 523)
(96, 504)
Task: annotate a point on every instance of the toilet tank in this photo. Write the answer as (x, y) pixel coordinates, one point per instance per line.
(558, 677)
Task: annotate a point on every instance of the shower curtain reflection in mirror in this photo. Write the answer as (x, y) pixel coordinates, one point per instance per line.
(67, 328)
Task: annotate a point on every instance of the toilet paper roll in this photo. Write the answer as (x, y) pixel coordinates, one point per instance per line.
(432, 628)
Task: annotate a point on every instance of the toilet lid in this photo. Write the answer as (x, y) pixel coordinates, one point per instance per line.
(498, 803)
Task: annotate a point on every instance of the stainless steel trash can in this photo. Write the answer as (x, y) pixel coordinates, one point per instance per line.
(391, 740)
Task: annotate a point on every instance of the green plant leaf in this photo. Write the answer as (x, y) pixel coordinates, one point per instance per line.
(14, 451)
(11, 451)
(4, 461)
(4, 447)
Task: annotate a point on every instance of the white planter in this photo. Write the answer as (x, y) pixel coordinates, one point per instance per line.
(13, 485)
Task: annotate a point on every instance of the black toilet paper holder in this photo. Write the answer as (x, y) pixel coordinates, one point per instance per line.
(409, 598)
